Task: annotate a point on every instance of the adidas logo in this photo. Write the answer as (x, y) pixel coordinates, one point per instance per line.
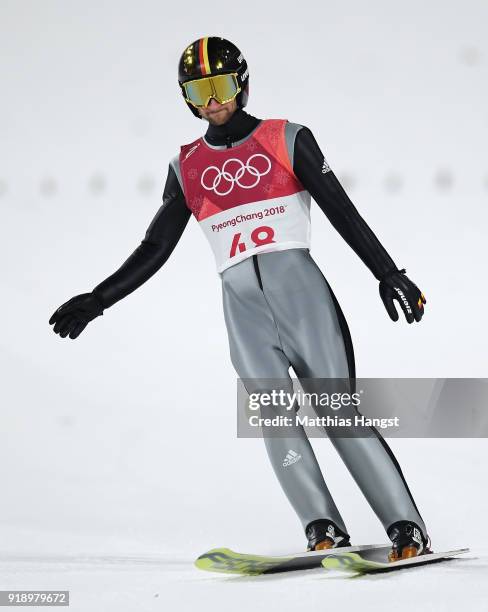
(417, 537)
(325, 167)
(332, 535)
(291, 457)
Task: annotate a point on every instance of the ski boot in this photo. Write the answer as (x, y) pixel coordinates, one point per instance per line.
(324, 534)
(408, 541)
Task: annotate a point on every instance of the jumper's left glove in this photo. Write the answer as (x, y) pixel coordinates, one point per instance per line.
(397, 286)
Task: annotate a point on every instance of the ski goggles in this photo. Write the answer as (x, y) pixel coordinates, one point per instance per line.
(222, 87)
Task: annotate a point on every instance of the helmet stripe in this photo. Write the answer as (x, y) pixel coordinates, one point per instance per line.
(203, 55)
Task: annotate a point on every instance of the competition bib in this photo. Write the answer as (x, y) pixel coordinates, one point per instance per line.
(246, 199)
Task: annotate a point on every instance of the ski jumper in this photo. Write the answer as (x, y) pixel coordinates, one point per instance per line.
(280, 311)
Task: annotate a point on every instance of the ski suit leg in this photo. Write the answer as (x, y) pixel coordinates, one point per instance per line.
(256, 353)
(315, 338)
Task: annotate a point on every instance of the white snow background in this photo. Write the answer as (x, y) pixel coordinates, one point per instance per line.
(120, 462)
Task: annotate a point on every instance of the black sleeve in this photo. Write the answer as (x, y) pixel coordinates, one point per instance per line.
(161, 238)
(315, 175)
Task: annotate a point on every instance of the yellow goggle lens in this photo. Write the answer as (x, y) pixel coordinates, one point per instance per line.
(223, 88)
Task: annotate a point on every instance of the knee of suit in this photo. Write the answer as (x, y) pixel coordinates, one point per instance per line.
(281, 410)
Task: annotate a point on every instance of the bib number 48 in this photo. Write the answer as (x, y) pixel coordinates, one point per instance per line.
(259, 236)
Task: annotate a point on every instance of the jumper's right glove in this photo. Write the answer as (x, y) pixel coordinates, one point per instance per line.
(397, 286)
(74, 315)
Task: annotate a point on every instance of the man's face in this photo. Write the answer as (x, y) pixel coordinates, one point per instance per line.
(218, 114)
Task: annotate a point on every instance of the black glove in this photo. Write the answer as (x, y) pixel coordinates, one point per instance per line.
(396, 286)
(74, 315)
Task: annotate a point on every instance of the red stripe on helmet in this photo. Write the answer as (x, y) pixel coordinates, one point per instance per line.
(201, 59)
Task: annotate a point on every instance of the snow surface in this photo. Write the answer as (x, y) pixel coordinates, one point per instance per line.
(110, 580)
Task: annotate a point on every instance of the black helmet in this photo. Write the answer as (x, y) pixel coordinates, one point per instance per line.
(209, 56)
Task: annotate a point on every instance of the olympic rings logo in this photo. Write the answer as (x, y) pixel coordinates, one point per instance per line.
(225, 175)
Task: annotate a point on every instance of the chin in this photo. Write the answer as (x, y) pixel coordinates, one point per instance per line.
(219, 118)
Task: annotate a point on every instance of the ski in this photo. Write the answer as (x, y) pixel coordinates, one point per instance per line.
(227, 561)
(376, 560)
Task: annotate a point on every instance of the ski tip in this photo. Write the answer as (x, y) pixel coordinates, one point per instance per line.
(216, 551)
(211, 558)
(227, 561)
